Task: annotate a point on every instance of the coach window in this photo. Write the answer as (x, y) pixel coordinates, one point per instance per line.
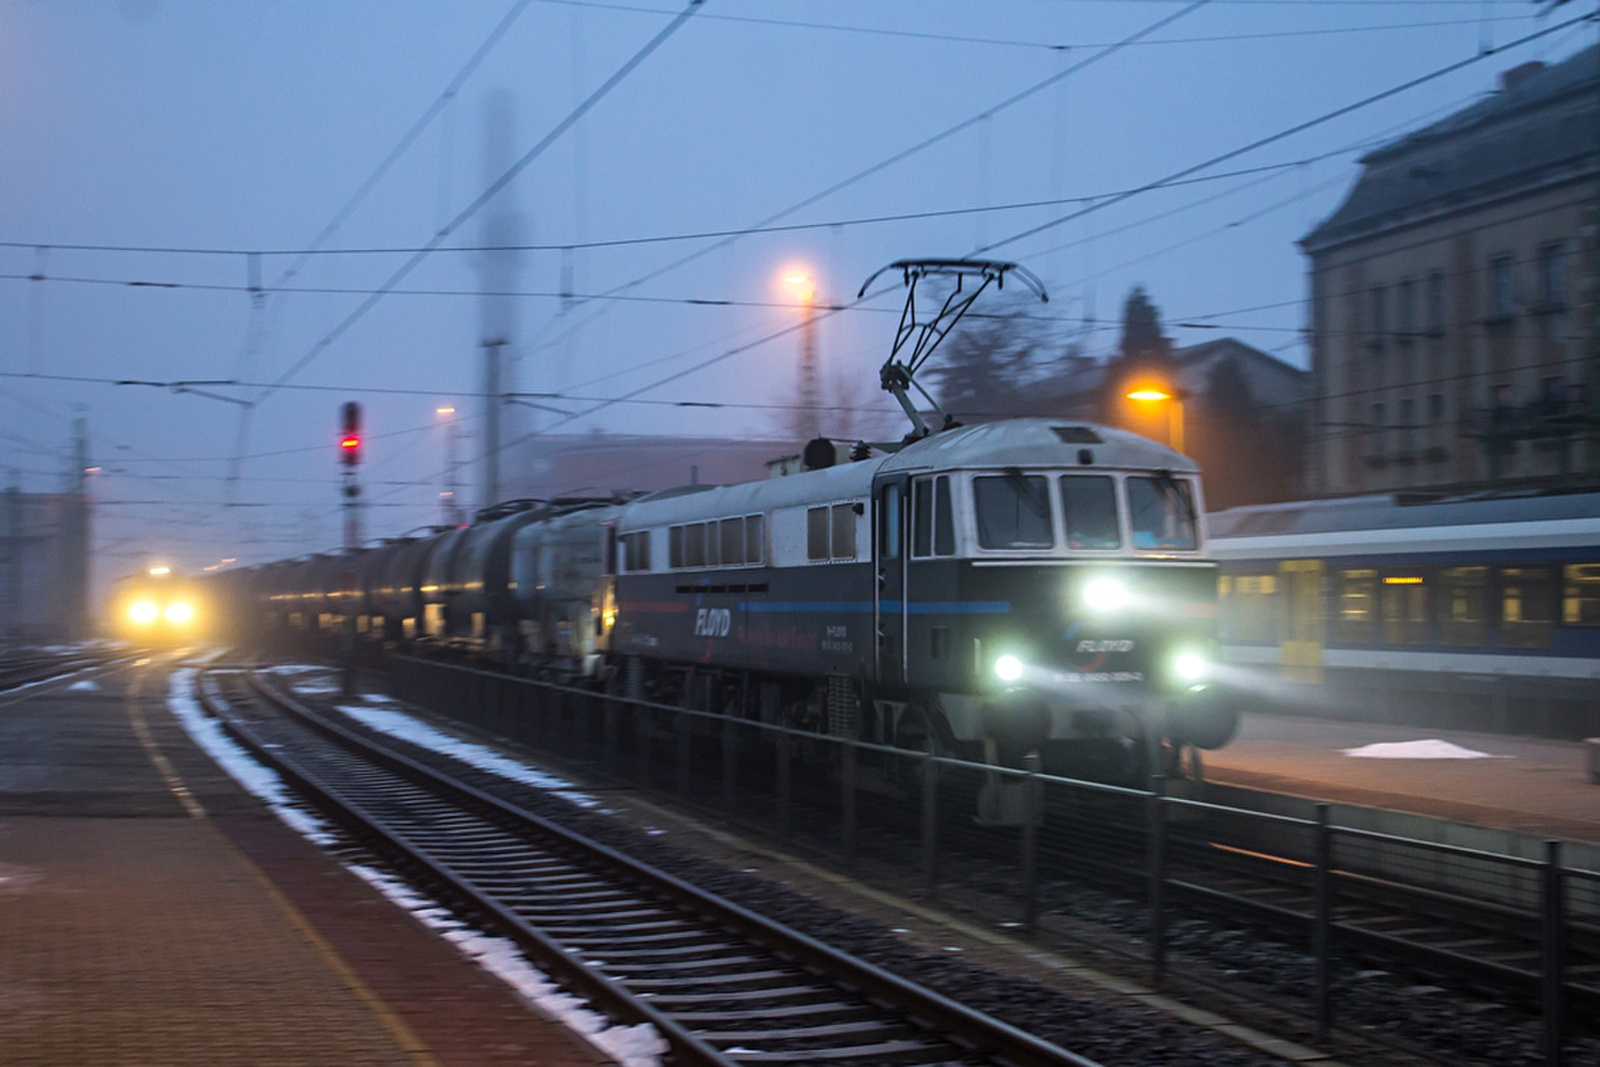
(1161, 511)
(1462, 606)
(1356, 589)
(844, 531)
(1527, 606)
(1013, 511)
(1404, 603)
(732, 543)
(1580, 594)
(752, 539)
(1248, 602)
(1089, 506)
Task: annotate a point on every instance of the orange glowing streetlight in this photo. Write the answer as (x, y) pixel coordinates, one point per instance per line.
(1150, 393)
(807, 393)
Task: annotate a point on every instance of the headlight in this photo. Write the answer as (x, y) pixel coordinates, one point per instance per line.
(1190, 666)
(1105, 594)
(1008, 668)
(143, 611)
(178, 611)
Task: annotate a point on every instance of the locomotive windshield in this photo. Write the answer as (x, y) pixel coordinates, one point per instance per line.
(1013, 511)
(1089, 504)
(1161, 511)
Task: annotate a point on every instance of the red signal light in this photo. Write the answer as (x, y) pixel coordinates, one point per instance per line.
(350, 444)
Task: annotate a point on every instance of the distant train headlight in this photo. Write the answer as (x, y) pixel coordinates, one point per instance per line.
(178, 611)
(143, 612)
(1105, 595)
(1008, 668)
(1191, 667)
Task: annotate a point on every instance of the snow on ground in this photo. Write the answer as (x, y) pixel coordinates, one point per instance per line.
(1431, 748)
(87, 685)
(397, 723)
(632, 1046)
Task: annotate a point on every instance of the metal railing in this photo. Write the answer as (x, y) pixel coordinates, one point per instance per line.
(1336, 890)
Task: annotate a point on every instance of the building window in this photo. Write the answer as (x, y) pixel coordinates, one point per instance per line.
(1406, 297)
(1380, 317)
(1436, 304)
(1436, 408)
(1552, 277)
(1553, 395)
(1379, 432)
(1408, 427)
(1502, 291)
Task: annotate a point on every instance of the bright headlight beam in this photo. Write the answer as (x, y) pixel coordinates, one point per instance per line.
(1008, 668)
(179, 612)
(1105, 594)
(143, 611)
(1190, 666)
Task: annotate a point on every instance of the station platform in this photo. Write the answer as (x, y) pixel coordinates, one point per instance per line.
(1527, 785)
(153, 912)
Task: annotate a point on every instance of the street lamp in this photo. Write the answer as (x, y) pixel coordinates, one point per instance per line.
(1155, 394)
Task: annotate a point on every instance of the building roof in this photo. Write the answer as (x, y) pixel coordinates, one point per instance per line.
(1539, 130)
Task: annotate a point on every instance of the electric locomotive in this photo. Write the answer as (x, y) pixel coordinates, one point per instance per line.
(155, 607)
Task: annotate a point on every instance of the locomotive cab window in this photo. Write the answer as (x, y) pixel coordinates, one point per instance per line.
(1013, 510)
(1161, 513)
(1089, 508)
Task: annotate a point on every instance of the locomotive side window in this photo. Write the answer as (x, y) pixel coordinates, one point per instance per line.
(1089, 506)
(732, 554)
(1013, 511)
(1355, 595)
(1462, 613)
(844, 531)
(636, 551)
(1404, 604)
(1580, 595)
(816, 534)
(752, 539)
(1527, 607)
(675, 547)
(694, 545)
(1161, 511)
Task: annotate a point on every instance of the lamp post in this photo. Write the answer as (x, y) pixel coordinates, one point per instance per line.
(805, 292)
(450, 496)
(1174, 397)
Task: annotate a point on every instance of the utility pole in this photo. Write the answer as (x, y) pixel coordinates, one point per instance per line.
(494, 406)
(499, 271)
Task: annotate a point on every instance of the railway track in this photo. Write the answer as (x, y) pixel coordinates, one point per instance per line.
(722, 984)
(25, 668)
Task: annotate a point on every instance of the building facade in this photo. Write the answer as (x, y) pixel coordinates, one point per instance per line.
(1453, 299)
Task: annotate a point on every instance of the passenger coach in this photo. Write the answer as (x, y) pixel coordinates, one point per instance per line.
(1478, 613)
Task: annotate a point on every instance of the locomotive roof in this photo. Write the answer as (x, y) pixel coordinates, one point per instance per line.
(1037, 443)
(1388, 512)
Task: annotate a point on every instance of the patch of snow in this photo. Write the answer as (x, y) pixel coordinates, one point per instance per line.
(87, 685)
(1431, 748)
(407, 728)
(632, 1046)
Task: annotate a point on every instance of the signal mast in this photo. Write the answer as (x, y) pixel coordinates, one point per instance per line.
(350, 458)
